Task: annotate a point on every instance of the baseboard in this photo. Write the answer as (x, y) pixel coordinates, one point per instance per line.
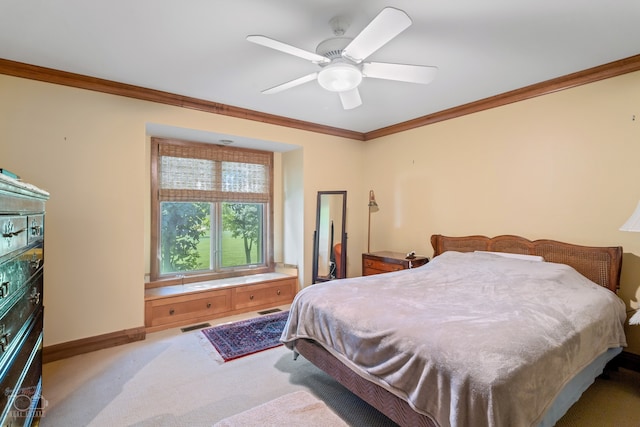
(627, 360)
(86, 345)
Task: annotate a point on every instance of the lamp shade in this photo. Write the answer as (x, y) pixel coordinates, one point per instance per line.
(372, 200)
(633, 223)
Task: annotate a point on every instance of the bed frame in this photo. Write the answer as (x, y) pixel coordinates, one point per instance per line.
(602, 265)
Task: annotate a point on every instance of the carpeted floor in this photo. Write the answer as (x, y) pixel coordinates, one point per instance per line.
(613, 401)
(170, 379)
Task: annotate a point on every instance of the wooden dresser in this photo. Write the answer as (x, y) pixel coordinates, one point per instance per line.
(21, 308)
(386, 261)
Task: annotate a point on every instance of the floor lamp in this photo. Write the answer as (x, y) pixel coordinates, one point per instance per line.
(633, 224)
(373, 207)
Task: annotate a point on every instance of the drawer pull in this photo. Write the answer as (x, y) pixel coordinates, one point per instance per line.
(278, 293)
(4, 288)
(208, 305)
(171, 311)
(35, 296)
(251, 297)
(8, 230)
(4, 339)
(35, 262)
(36, 229)
(10, 234)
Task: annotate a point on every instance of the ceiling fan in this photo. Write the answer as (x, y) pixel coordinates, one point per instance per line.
(341, 58)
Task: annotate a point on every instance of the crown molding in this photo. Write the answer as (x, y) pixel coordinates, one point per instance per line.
(49, 75)
(591, 75)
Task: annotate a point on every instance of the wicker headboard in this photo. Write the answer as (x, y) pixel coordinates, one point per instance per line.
(602, 265)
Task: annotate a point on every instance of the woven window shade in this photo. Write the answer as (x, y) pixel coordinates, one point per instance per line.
(213, 173)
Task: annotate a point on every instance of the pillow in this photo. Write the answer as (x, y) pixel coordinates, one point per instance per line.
(536, 258)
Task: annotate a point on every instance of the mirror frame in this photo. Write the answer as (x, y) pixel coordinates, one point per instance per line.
(343, 237)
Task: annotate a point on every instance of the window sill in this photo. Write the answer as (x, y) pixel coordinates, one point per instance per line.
(188, 288)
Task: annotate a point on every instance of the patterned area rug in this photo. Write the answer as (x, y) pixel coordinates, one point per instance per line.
(239, 339)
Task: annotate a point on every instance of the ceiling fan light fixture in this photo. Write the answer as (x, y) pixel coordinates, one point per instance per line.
(340, 77)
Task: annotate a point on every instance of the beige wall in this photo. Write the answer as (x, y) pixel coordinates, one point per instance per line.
(562, 166)
(91, 152)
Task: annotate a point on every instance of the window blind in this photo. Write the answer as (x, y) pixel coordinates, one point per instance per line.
(213, 173)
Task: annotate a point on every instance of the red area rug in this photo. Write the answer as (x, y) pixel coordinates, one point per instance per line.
(238, 339)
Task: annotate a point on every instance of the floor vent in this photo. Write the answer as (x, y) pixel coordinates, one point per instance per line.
(273, 310)
(194, 327)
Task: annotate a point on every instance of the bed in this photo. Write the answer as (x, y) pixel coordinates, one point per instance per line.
(473, 337)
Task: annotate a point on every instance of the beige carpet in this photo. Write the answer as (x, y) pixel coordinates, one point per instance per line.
(172, 380)
(612, 401)
(293, 409)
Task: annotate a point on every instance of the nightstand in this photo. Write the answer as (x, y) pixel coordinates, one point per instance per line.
(386, 261)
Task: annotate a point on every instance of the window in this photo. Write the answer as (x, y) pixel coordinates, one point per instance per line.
(211, 210)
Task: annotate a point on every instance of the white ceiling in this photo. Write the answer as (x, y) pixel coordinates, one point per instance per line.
(197, 48)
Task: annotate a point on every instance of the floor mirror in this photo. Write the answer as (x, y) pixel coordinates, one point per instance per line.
(330, 237)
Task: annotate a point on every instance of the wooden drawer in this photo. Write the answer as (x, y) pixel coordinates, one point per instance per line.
(386, 261)
(265, 294)
(381, 266)
(185, 307)
(370, 271)
(167, 310)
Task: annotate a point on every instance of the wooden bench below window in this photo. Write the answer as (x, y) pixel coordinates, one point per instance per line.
(179, 305)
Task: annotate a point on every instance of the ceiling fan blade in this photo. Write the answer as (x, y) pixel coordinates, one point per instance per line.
(383, 28)
(400, 72)
(350, 99)
(290, 84)
(287, 48)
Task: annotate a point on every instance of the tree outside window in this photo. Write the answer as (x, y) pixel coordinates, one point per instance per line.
(244, 222)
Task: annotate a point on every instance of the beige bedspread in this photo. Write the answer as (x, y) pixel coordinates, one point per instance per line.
(469, 339)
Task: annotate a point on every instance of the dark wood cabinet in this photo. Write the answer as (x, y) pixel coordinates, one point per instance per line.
(21, 309)
(386, 261)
